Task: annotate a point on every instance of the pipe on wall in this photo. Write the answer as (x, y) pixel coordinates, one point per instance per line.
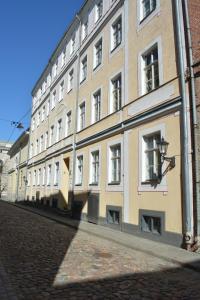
(188, 222)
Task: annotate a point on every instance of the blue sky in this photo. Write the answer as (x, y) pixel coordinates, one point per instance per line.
(29, 32)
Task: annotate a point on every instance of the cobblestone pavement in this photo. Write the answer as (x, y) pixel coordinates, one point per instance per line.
(41, 259)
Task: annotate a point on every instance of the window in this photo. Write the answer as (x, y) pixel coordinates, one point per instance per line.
(83, 69)
(72, 45)
(115, 164)
(68, 122)
(43, 176)
(63, 58)
(95, 168)
(116, 93)
(53, 100)
(49, 175)
(82, 116)
(33, 124)
(70, 80)
(150, 69)
(34, 178)
(85, 29)
(38, 118)
(147, 7)
(44, 87)
(38, 176)
(99, 10)
(113, 216)
(59, 130)
(116, 34)
(98, 54)
(29, 179)
(61, 91)
(37, 147)
(56, 174)
(48, 107)
(151, 224)
(79, 170)
(31, 150)
(151, 169)
(96, 106)
(41, 143)
(46, 140)
(43, 113)
(51, 135)
(55, 69)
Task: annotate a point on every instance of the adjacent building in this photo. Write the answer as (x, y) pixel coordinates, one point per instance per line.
(110, 135)
(17, 173)
(4, 167)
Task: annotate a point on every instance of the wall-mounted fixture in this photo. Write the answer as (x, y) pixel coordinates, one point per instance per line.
(162, 147)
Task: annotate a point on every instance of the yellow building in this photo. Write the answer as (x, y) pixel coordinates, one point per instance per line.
(108, 99)
(17, 173)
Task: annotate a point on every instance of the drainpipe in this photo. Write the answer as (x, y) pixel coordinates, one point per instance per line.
(28, 153)
(195, 125)
(76, 110)
(186, 133)
(17, 188)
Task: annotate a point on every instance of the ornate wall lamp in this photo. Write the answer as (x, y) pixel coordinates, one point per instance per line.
(162, 147)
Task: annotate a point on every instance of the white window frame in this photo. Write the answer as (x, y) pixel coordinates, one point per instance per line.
(43, 114)
(96, 62)
(81, 122)
(61, 91)
(112, 31)
(85, 29)
(111, 102)
(41, 143)
(148, 186)
(83, 73)
(38, 177)
(94, 185)
(68, 124)
(70, 80)
(48, 107)
(63, 58)
(29, 179)
(34, 178)
(46, 140)
(99, 12)
(53, 100)
(51, 136)
(93, 105)
(112, 186)
(56, 173)
(72, 44)
(141, 20)
(142, 87)
(33, 124)
(59, 130)
(79, 174)
(44, 176)
(49, 171)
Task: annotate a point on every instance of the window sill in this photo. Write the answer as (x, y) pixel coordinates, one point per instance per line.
(148, 15)
(113, 50)
(84, 79)
(78, 184)
(68, 92)
(96, 67)
(93, 184)
(114, 183)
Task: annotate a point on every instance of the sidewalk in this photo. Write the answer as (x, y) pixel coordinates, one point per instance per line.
(169, 253)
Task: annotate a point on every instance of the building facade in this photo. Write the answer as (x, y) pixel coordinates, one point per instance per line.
(4, 167)
(17, 173)
(111, 96)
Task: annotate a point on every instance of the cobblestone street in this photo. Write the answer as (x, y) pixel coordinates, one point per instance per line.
(41, 259)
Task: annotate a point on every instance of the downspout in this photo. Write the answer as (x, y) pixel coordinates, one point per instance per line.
(17, 189)
(195, 125)
(28, 152)
(76, 112)
(185, 134)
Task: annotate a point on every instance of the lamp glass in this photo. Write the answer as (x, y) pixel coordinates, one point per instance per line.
(163, 146)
